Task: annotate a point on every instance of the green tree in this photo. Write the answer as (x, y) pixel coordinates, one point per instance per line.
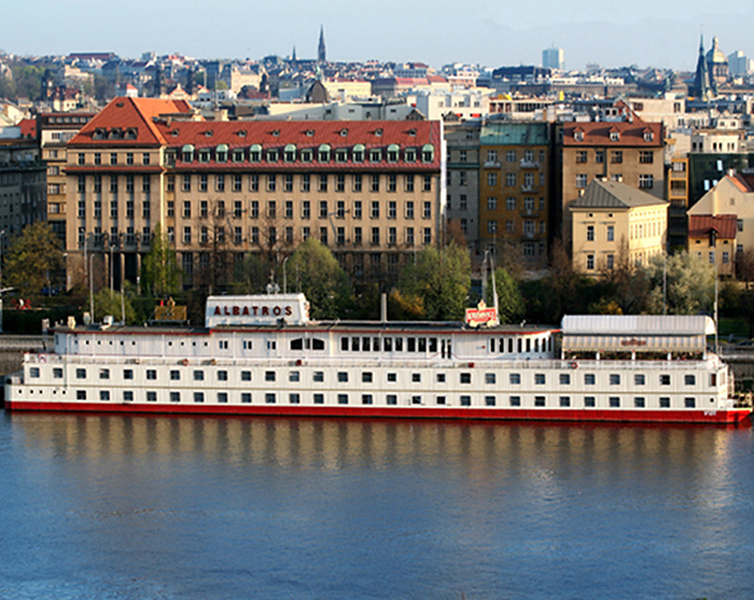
(250, 276)
(690, 284)
(32, 260)
(113, 304)
(159, 270)
(313, 270)
(509, 298)
(441, 278)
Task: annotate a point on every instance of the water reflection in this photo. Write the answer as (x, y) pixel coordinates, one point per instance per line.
(232, 507)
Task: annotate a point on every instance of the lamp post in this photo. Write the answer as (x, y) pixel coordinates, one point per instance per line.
(91, 287)
(112, 247)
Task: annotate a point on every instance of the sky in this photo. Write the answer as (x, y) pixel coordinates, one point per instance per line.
(491, 33)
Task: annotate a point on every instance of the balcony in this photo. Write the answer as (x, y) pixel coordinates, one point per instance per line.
(531, 189)
(491, 164)
(528, 164)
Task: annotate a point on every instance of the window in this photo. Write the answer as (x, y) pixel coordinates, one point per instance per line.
(270, 398)
(664, 402)
(664, 379)
(639, 402)
(565, 379)
(175, 396)
(510, 179)
(491, 179)
(589, 379)
(294, 398)
(581, 180)
(342, 398)
(199, 397)
(646, 157)
(391, 399)
(539, 401)
(590, 233)
(565, 401)
(689, 379)
(581, 156)
(489, 378)
(246, 398)
(610, 233)
(639, 379)
(491, 203)
(515, 378)
(614, 402)
(646, 181)
(514, 400)
(589, 402)
(539, 378)
(269, 375)
(151, 396)
(614, 379)
(465, 400)
(489, 400)
(590, 262)
(80, 373)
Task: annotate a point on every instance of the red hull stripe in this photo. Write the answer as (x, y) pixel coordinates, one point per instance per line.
(626, 415)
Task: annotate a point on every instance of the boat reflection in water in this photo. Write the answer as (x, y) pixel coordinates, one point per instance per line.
(269, 507)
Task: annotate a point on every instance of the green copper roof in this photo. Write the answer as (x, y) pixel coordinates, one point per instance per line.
(514, 134)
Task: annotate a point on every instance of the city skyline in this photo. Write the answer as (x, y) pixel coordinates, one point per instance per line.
(643, 33)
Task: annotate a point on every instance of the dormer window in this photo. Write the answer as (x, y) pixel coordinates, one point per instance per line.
(306, 156)
(412, 132)
(378, 132)
(428, 153)
(614, 136)
(323, 155)
(409, 155)
(343, 132)
(276, 133)
(341, 155)
(99, 134)
(578, 136)
(204, 156)
(255, 153)
(272, 156)
(309, 133)
(649, 136)
(375, 155)
(131, 133)
(187, 153)
(238, 155)
(242, 133)
(208, 133)
(289, 154)
(392, 152)
(358, 153)
(221, 153)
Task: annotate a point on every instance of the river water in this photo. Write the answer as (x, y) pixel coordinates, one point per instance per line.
(183, 507)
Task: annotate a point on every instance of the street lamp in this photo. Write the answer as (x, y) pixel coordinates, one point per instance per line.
(91, 288)
(112, 247)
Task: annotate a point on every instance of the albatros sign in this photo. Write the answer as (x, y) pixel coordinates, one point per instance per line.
(271, 309)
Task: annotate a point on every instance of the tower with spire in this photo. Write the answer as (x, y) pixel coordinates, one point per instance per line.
(701, 88)
(321, 52)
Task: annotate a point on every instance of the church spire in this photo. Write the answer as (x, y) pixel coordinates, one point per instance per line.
(321, 52)
(702, 88)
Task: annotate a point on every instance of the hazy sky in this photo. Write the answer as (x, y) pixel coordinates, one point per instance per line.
(611, 33)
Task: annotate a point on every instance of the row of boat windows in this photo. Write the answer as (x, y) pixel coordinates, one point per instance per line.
(520, 345)
(465, 377)
(390, 399)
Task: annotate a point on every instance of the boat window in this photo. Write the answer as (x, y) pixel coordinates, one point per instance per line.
(515, 378)
(294, 376)
(589, 401)
(528, 344)
(520, 345)
(391, 399)
(246, 398)
(416, 399)
(297, 344)
(365, 344)
(565, 379)
(355, 344)
(104, 395)
(614, 402)
(128, 373)
(318, 376)
(664, 379)
(80, 373)
(294, 398)
(57, 373)
(342, 377)
(614, 379)
(104, 373)
(270, 398)
(416, 377)
(565, 401)
(539, 400)
(664, 402)
(514, 400)
(198, 375)
(489, 378)
(392, 377)
(222, 376)
(175, 396)
(433, 344)
(319, 398)
(410, 344)
(689, 379)
(465, 377)
(639, 402)
(441, 378)
(387, 344)
(376, 344)
(245, 375)
(198, 396)
(247, 344)
(151, 374)
(638, 379)
(465, 400)
(128, 396)
(272, 344)
(34, 372)
(80, 394)
(440, 400)
(510, 345)
(689, 402)
(589, 379)
(151, 396)
(342, 398)
(366, 398)
(539, 378)
(269, 375)
(712, 379)
(489, 400)
(344, 344)
(422, 344)
(536, 345)
(399, 344)
(175, 374)
(366, 377)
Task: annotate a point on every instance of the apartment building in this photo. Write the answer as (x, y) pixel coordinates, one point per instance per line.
(514, 190)
(629, 150)
(462, 204)
(372, 191)
(614, 222)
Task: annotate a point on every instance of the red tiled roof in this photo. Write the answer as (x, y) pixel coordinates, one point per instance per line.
(701, 225)
(28, 128)
(130, 113)
(306, 134)
(598, 133)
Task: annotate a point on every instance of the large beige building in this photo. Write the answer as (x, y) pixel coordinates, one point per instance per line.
(613, 223)
(372, 191)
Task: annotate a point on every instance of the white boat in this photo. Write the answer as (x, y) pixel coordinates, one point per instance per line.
(262, 355)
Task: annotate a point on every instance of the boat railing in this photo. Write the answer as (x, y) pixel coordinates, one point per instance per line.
(712, 362)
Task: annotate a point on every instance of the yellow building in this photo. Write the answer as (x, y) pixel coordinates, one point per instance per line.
(612, 222)
(513, 190)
